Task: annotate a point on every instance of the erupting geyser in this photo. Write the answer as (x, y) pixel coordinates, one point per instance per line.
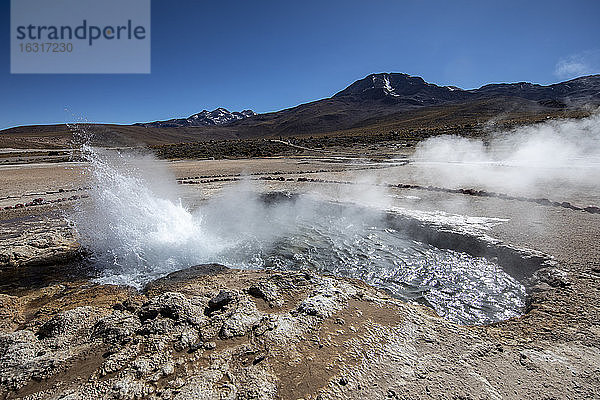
(138, 230)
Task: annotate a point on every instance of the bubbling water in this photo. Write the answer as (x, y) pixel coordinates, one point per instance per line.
(137, 230)
(461, 288)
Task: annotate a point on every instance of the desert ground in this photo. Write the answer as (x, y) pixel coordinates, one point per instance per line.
(216, 332)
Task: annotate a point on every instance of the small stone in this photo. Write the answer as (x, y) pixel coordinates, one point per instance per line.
(196, 346)
(218, 302)
(210, 345)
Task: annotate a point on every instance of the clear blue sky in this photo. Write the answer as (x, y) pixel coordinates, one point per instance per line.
(268, 55)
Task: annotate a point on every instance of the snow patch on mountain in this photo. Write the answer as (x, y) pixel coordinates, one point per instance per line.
(387, 86)
(220, 116)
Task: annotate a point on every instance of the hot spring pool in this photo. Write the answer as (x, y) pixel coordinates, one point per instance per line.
(341, 240)
(460, 287)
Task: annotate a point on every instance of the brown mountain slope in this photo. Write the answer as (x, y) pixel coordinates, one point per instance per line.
(376, 104)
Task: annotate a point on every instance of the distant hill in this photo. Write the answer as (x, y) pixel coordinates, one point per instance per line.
(401, 89)
(378, 103)
(219, 116)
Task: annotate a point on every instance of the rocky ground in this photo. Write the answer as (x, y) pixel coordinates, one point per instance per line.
(214, 332)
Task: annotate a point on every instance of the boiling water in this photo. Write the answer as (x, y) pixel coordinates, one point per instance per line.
(461, 288)
(137, 232)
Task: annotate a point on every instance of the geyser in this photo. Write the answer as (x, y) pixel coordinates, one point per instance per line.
(137, 230)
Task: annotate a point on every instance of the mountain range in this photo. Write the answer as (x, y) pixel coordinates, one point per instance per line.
(219, 116)
(402, 89)
(377, 103)
(391, 92)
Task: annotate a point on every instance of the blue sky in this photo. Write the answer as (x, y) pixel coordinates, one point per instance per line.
(268, 55)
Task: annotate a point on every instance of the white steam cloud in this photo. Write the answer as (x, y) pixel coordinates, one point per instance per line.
(532, 159)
